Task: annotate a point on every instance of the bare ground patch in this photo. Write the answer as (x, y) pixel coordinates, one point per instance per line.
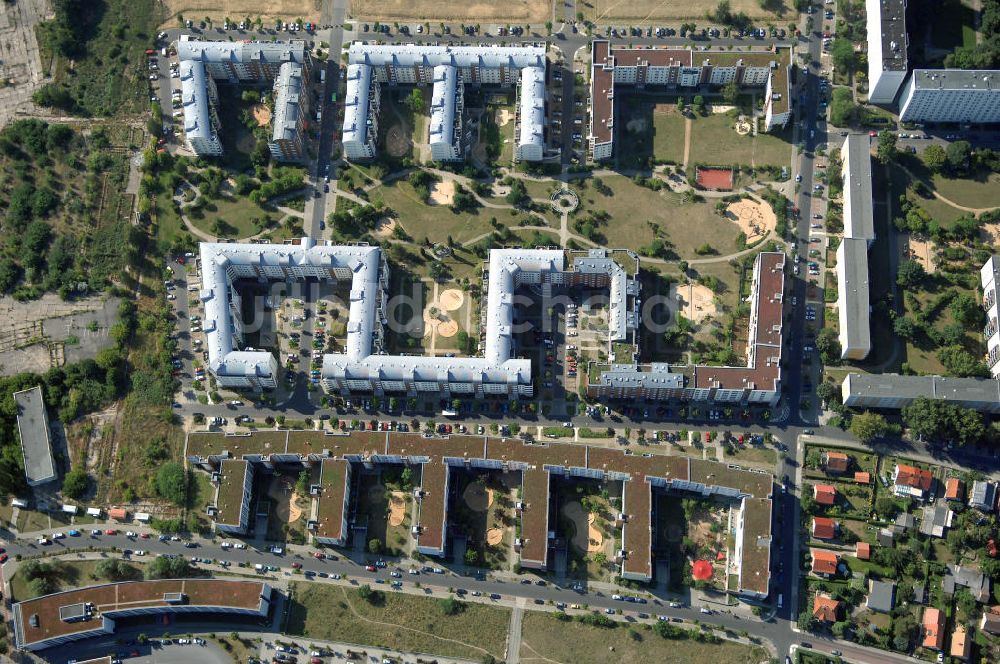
(694, 301)
(755, 219)
(430, 10)
(237, 10)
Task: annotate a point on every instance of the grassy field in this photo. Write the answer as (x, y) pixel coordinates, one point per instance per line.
(535, 11)
(547, 639)
(402, 622)
(978, 192)
(649, 130)
(237, 10)
(603, 11)
(435, 222)
(668, 133)
(686, 225)
(715, 142)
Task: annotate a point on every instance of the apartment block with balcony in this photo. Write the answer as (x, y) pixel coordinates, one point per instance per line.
(291, 113)
(361, 113)
(887, 44)
(989, 277)
(951, 95)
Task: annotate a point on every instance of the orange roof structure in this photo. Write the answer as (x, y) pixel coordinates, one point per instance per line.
(824, 562)
(826, 608)
(837, 462)
(933, 628)
(825, 494)
(701, 570)
(824, 528)
(961, 643)
(863, 478)
(118, 513)
(864, 551)
(911, 476)
(953, 489)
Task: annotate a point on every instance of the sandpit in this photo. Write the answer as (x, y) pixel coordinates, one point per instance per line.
(588, 539)
(990, 233)
(447, 329)
(262, 114)
(385, 227)
(451, 299)
(494, 536)
(478, 497)
(921, 251)
(595, 538)
(755, 219)
(504, 116)
(397, 508)
(443, 193)
(396, 142)
(285, 500)
(694, 301)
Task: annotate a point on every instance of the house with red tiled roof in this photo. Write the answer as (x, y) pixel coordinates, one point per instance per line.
(863, 551)
(932, 630)
(911, 481)
(954, 489)
(826, 609)
(824, 528)
(863, 478)
(961, 643)
(824, 563)
(825, 494)
(836, 463)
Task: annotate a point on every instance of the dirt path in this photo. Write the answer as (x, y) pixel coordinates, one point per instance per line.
(687, 141)
(350, 605)
(536, 655)
(930, 185)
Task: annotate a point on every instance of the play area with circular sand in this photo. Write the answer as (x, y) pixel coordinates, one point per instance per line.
(285, 500)
(451, 299)
(494, 536)
(443, 192)
(477, 497)
(262, 114)
(396, 142)
(397, 508)
(589, 539)
(694, 301)
(384, 227)
(755, 219)
(504, 116)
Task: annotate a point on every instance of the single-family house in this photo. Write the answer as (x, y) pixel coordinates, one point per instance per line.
(836, 463)
(961, 643)
(824, 563)
(904, 522)
(911, 481)
(932, 629)
(886, 537)
(936, 520)
(824, 528)
(826, 609)
(863, 477)
(977, 582)
(919, 593)
(983, 496)
(991, 621)
(881, 596)
(954, 489)
(825, 494)
(863, 551)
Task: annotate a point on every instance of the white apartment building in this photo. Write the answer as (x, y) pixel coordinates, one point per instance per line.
(951, 95)
(989, 276)
(361, 112)
(204, 63)
(447, 106)
(291, 108)
(853, 307)
(233, 490)
(531, 115)
(415, 64)
(887, 44)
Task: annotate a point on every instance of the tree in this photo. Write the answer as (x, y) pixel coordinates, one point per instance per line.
(375, 546)
(699, 104)
(471, 557)
(114, 569)
(171, 483)
(910, 274)
(958, 155)
(828, 345)
(680, 104)
(934, 158)
(843, 110)
(829, 393)
(868, 426)
(887, 508)
(904, 328)
(75, 483)
(842, 55)
(959, 362)
(967, 311)
(934, 419)
(886, 152)
(451, 606)
(415, 102)
(518, 194)
(168, 568)
(730, 93)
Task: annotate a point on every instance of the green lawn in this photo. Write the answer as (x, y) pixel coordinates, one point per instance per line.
(435, 222)
(686, 225)
(982, 191)
(231, 217)
(668, 134)
(401, 622)
(715, 142)
(546, 639)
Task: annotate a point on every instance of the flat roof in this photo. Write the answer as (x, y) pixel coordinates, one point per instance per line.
(956, 79)
(852, 284)
(859, 221)
(229, 493)
(36, 439)
(892, 23)
(968, 390)
(755, 572)
(602, 85)
(536, 462)
(114, 598)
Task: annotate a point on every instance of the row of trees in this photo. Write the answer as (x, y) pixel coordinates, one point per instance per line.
(986, 53)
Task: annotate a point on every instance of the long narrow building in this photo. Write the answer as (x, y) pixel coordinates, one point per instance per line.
(617, 68)
(361, 113)
(951, 95)
(642, 477)
(990, 279)
(447, 106)
(291, 114)
(887, 44)
(853, 305)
